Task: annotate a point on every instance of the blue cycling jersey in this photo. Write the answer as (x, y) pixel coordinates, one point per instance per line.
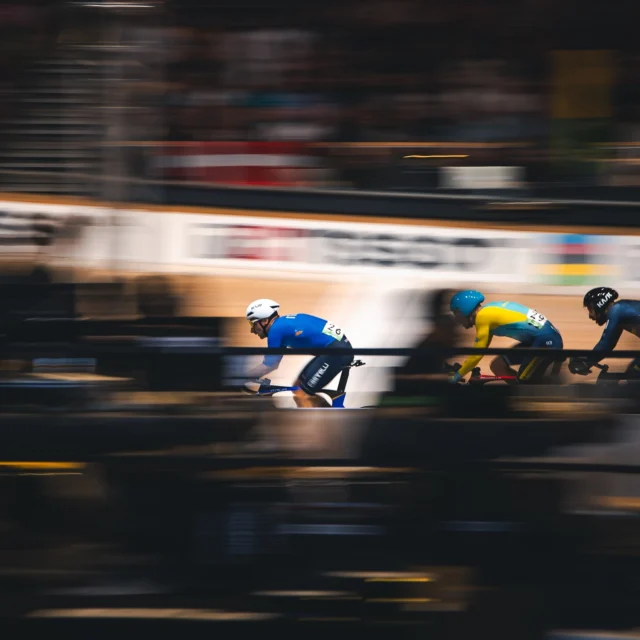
(299, 331)
(623, 315)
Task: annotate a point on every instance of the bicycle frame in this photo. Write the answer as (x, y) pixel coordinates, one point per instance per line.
(604, 377)
(337, 397)
(483, 379)
(478, 378)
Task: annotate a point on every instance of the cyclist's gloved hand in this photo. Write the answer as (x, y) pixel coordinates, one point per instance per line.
(252, 387)
(455, 377)
(579, 366)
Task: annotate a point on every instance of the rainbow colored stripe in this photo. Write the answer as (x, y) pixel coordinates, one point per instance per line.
(576, 259)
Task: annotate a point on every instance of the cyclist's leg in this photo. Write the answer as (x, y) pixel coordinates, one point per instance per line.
(316, 375)
(556, 363)
(633, 370)
(504, 365)
(533, 368)
(303, 396)
(304, 400)
(556, 369)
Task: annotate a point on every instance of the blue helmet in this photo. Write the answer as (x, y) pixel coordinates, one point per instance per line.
(466, 301)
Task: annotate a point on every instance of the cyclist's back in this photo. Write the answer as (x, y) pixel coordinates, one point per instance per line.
(513, 320)
(623, 315)
(302, 330)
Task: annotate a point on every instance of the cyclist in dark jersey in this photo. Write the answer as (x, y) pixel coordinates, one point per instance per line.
(616, 316)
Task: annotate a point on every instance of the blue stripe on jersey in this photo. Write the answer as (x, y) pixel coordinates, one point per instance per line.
(520, 331)
(511, 306)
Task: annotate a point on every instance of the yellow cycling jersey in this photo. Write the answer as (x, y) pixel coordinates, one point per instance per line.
(508, 319)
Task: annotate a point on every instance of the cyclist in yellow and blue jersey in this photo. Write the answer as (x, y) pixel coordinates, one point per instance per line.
(512, 320)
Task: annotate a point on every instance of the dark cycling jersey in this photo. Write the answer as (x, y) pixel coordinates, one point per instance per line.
(623, 315)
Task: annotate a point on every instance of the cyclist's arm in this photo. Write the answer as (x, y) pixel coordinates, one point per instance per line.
(483, 340)
(269, 363)
(610, 335)
(259, 371)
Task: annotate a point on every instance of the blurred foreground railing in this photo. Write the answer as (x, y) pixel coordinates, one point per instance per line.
(480, 206)
(215, 346)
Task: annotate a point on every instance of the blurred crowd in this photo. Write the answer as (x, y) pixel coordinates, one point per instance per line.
(382, 70)
(354, 71)
(24, 37)
(379, 71)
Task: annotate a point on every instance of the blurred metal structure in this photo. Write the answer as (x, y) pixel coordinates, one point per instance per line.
(75, 105)
(58, 127)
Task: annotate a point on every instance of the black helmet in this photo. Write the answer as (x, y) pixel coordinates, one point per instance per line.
(598, 300)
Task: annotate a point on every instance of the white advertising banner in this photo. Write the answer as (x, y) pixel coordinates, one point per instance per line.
(183, 242)
(340, 247)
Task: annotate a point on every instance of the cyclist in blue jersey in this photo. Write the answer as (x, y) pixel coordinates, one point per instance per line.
(616, 316)
(298, 331)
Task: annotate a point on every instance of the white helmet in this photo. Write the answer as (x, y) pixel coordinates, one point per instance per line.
(261, 309)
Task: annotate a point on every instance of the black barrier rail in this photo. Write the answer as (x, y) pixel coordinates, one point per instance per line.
(205, 335)
(446, 352)
(487, 207)
(437, 206)
(175, 346)
(214, 346)
(564, 464)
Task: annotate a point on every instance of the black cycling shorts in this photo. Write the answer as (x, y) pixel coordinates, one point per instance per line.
(532, 368)
(320, 371)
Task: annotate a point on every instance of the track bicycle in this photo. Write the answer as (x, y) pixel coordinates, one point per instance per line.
(477, 378)
(337, 396)
(605, 377)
